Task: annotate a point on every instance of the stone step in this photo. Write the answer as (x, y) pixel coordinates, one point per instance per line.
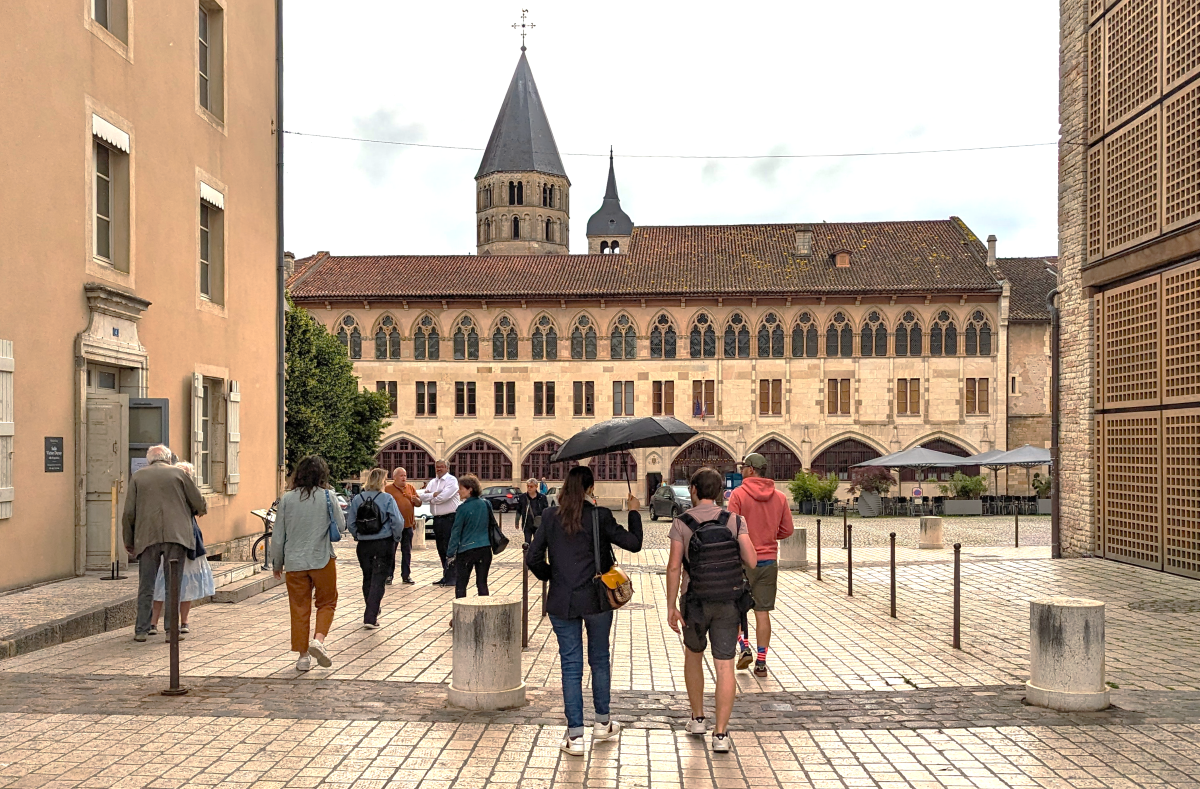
(225, 573)
(246, 588)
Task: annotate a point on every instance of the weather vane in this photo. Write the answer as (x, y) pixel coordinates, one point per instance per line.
(522, 25)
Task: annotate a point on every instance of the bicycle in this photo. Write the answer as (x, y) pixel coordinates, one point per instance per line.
(263, 543)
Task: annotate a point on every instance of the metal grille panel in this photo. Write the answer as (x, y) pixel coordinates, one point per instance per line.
(1181, 158)
(1095, 118)
(1181, 40)
(1132, 520)
(1131, 183)
(1131, 344)
(1098, 349)
(1095, 9)
(1181, 490)
(1095, 202)
(1132, 59)
(1181, 335)
(1098, 483)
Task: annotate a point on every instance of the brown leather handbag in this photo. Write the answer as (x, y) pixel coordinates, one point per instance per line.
(614, 583)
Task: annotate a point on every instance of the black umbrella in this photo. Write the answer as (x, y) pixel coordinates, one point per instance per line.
(618, 435)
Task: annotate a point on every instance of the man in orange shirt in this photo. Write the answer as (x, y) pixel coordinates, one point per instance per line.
(406, 498)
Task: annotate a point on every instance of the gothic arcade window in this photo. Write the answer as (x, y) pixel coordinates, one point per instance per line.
(504, 339)
(426, 345)
(908, 335)
(583, 339)
(537, 463)
(544, 339)
(839, 337)
(466, 340)
(387, 339)
(703, 338)
(979, 335)
(804, 337)
(782, 463)
(737, 338)
(873, 339)
(663, 339)
(838, 458)
(943, 336)
(409, 456)
(350, 337)
(482, 459)
(614, 467)
(623, 339)
(770, 337)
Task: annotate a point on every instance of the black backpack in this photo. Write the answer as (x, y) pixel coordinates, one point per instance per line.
(713, 560)
(370, 518)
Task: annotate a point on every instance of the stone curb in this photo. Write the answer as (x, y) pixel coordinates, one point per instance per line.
(90, 622)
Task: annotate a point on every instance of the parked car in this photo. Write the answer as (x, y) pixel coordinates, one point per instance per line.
(551, 497)
(669, 501)
(502, 497)
(423, 517)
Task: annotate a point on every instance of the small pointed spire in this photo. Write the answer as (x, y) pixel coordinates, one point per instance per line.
(611, 192)
(610, 219)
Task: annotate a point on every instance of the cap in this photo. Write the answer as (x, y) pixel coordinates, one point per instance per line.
(756, 460)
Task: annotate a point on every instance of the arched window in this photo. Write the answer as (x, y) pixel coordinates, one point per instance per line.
(504, 339)
(483, 459)
(426, 345)
(487, 230)
(949, 448)
(737, 338)
(908, 335)
(943, 336)
(804, 337)
(516, 227)
(623, 339)
(770, 337)
(466, 340)
(603, 247)
(839, 457)
(520, 193)
(979, 335)
(839, 337)
(409, 456)
(703, 339)
(583, 339)
(663, 338)
(387, 339)
(552, 195)
(615, 247)
(350, 337)
(614, 467)
(782, 463)
(512, 192)
(545, 196)
(544, 339)
(537, 463)
(549, 230)
(698, 455)
(873, 338)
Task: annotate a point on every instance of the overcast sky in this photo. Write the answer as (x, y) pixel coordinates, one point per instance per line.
(670, 78)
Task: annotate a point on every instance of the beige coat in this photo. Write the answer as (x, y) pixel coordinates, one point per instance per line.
(159, 507)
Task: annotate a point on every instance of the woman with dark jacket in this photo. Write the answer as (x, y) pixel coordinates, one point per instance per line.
(563, 553)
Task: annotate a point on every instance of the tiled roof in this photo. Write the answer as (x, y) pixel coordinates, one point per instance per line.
(935, 256)
(1029, 282)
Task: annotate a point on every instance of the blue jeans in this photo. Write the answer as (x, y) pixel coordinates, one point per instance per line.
(570, 655)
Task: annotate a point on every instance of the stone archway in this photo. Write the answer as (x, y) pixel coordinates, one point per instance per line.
(483, 459)
(411, 456)
(698, 454)
(837, 458)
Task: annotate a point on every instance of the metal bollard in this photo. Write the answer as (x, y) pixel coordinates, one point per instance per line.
(850, 560)
(174, 579)
(524, 598)
(845, 539)
(892, 536)
(818, 549)
(957, 605)
(1017, 528)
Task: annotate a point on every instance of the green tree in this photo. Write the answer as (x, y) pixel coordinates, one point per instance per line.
(327, 413)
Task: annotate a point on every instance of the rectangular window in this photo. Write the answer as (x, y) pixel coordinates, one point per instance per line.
(664, 398)
(426, 398)
(838, 396)
(103, 249)
(1014, 384)
(205, 85)
(210, 58)
(506, 398)
(977, 396)
(770, 397)
(908, 396)
(704, 398)
(212, 248)
(622, 398)
(464, 398)
(100, 11)
(112, 15)
(585, 398)
(110, 195)
(390, 388)
(543, 398)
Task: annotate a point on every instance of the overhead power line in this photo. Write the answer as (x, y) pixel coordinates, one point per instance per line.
(694, 156)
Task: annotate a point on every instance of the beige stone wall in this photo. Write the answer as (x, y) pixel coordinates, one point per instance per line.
(498, 216)
(1029, 404)
(65, 69)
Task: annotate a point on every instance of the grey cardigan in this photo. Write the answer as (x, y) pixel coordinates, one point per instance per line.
(300, 538)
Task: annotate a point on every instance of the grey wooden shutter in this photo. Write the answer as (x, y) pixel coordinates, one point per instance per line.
(233, 438)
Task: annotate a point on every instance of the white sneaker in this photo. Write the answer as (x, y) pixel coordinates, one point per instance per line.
(303, 663)
(698, 728)
(605, 731)
(370, 626)
(722, 743)
(317, 650)
(571, 745)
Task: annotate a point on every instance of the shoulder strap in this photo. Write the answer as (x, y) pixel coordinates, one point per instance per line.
(723, 518)
(596, 539)
(329, 506)
(689, 521)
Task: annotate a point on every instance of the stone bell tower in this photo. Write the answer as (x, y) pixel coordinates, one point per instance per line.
(522, 193)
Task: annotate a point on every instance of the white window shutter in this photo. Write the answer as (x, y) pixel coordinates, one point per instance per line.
(198, 423)
(233, 438)
(7, 428)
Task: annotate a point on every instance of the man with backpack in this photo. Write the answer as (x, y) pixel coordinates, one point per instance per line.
(766, 510)
(710, 548)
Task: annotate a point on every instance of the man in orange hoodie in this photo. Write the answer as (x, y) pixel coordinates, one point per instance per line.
(769, 519)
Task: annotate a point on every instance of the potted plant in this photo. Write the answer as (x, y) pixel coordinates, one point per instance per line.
(967, 491)
(869, 484)
(824, 490)
(1043, 486)
(801, 488)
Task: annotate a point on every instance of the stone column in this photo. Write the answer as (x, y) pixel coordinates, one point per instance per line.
(793, 551)
(487, 654)
(931, 532)
(1066, 654)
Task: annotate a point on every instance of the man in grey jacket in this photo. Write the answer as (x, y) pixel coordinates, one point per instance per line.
(159, 506)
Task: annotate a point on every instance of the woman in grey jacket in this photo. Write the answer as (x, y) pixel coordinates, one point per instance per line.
(300, 546)
(374, 529)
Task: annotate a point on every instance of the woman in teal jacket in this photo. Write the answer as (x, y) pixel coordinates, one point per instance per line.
(470, 545)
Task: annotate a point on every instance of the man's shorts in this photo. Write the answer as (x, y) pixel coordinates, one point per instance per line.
(764, 580)
(718, 621)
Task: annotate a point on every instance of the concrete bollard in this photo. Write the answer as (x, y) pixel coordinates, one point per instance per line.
(793, 551)
(418, 543)
(1066, 655)
(487, 654)
(931, 532)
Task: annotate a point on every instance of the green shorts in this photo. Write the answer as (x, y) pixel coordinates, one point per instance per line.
(764, 580)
